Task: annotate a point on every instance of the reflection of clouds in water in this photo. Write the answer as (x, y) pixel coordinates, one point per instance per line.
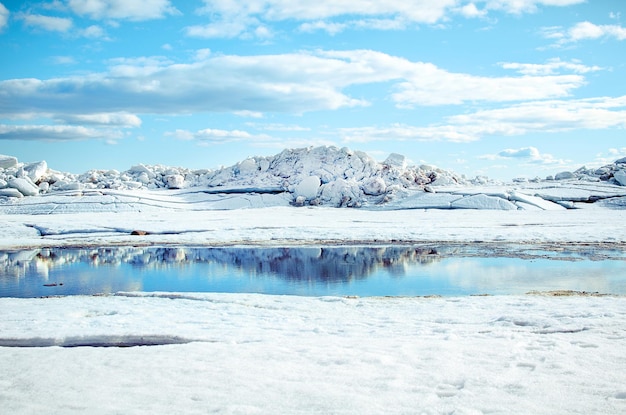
(446, 269)
(517, 275)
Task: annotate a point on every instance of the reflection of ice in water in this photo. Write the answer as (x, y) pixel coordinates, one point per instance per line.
(316, 270)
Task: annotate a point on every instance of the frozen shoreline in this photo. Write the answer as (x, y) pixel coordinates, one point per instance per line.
(304, 226)
(262, 354)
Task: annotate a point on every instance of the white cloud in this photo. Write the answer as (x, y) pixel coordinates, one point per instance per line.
(123, 9)
(277, 127)
(320, 25)
(531, 117)
(332, 28)
(293, 83)
(422, 11)
(608, 157)
(55, 133)
(583, 31)
(220, 29)
(232, 18)
(420, 83)
(49, 23)
(116, 119)
(551, 67)
(551, 116)
(93, 31)
(529, 155)
(63, 60)
(527, 6)
(471, 11)
(4, 17)
(402, 132)
(587, 30)
(217, 135)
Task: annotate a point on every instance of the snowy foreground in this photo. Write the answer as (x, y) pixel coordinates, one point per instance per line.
(260, 354)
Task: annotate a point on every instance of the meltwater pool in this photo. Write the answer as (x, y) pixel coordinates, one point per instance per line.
(394, 270)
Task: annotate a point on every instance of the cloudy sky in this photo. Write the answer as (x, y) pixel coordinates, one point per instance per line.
(503, 88)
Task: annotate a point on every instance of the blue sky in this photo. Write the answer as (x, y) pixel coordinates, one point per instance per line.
(502, 88)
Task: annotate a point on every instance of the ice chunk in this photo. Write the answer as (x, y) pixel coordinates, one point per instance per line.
(620, 177)
(6, 162)
(482, 201)
(308, 187)
(396, 160)
(36, 171)
(24, 186)
(564, 175)
(535, 201)
(175, 181)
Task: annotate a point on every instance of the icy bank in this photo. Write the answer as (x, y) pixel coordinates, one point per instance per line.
(326, 176)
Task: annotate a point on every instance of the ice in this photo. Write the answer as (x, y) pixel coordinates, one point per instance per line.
(326, 176)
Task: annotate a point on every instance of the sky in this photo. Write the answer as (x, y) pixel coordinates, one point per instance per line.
(497, 88)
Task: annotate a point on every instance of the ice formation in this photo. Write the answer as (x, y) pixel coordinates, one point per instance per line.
(329, 176)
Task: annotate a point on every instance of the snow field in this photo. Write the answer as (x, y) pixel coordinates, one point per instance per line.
(272, 354)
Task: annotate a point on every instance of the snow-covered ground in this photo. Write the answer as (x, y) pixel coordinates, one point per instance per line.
(259, 354)
(250, 353)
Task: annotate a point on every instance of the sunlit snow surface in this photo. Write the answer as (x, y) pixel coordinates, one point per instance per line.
(247, 353)
(262, 354)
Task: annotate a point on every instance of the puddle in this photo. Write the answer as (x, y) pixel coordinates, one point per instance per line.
(311, 271)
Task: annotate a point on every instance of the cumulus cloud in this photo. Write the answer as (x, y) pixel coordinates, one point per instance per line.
(49, 23)
(527, 155)
(93, 32)
(530, 117)
(471, 11)
(293, 83)
(4, 17)
(551, 116)
(135, 10)
(230, 18)
(55, 133)
(583, 31)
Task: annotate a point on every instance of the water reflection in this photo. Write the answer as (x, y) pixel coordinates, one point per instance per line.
(340, 270)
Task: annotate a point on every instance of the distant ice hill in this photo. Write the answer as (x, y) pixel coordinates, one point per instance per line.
(326, 176)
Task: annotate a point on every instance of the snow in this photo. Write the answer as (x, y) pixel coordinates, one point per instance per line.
(242, 354)
(326, 176)
(251, 353)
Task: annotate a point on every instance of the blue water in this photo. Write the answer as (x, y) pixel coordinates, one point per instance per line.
(308, 271)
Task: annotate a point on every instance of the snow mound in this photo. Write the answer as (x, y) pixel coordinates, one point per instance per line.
(614, 173)
(314, 176)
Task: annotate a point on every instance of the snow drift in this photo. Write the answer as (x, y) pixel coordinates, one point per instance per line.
(326, 176)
